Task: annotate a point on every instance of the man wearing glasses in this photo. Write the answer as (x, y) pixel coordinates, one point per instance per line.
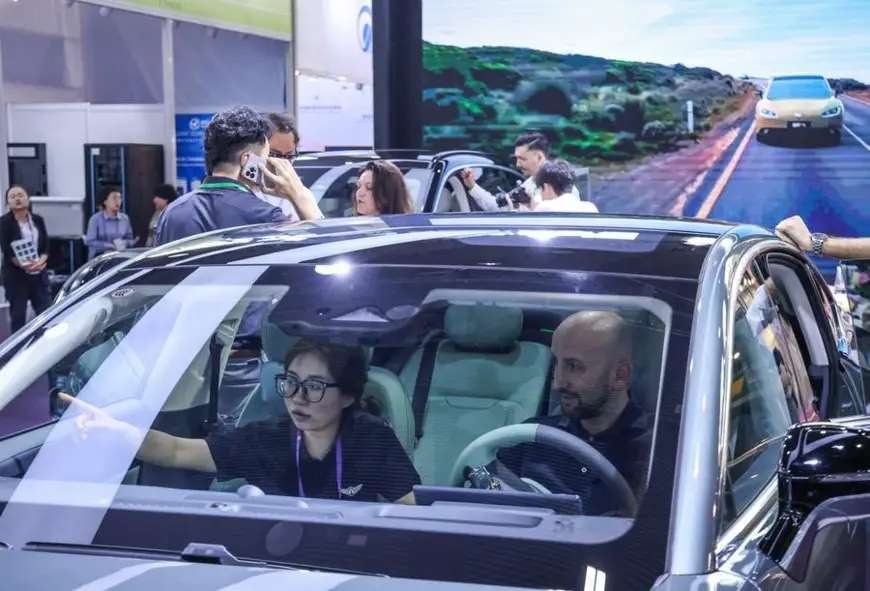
(283, 144)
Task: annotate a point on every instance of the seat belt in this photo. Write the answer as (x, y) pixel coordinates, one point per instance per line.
(214, 382)
(422, 385)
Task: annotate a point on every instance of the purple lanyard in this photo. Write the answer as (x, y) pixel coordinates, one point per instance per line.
(338, 465)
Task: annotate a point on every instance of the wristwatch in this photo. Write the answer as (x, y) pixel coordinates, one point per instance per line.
(818, 243)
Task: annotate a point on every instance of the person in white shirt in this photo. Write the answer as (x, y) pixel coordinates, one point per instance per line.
(283, 144)
(531, 150)
(555, 179)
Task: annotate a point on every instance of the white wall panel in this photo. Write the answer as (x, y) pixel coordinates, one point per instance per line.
(333, 38)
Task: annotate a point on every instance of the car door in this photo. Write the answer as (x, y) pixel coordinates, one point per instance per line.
(786, 369)
(771, 389)
(454, 197)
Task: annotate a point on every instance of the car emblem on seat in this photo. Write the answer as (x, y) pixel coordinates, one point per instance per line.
(351, 491)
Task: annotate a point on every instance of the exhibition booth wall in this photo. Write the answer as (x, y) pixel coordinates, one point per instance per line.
(334, 81)
(77, 73)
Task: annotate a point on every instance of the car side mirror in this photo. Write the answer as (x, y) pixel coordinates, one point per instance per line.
(818, 462)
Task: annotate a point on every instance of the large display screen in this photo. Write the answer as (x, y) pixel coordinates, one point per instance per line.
(666, 103)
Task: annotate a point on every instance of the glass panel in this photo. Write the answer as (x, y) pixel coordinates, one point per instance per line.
(770, 391)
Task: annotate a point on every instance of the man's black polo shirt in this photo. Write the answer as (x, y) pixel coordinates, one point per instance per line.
(217, 204)
(263, 453)
(626, 444)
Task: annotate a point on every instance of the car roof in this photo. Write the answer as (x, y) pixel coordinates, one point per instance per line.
(410, 157)
(799, 77)
(622, 244)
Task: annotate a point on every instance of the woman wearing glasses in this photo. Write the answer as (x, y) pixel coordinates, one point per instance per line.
(326, 448)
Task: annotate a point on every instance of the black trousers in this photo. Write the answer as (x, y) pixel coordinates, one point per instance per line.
(23, 289)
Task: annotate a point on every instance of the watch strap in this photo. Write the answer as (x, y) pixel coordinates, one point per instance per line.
(818, 243)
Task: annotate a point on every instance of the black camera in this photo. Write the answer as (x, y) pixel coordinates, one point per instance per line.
(517, 196)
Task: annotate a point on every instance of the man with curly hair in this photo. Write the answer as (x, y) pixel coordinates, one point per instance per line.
(227, 198)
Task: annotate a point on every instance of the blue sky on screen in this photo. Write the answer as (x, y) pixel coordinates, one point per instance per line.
(756, 37)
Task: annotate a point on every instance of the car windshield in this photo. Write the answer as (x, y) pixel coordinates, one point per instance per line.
(443, 387)
(334, 186)
(799, 88)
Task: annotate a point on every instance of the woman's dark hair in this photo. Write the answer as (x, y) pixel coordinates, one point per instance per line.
(348, 365)
(166, 192)
(389, 189)
(9, 190)
(103, 195)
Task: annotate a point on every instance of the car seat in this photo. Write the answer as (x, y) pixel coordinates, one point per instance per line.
(186, 410)
(481, 378)
(382, 384)
(460, 197)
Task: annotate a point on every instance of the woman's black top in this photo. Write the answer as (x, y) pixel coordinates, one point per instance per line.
(11, 231)
(374, 465)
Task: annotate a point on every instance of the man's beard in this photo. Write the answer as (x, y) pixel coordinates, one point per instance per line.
(585, 412)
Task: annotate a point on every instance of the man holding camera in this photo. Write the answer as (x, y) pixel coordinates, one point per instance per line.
(531, 151)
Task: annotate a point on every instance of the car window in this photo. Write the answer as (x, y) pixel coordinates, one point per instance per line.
(155, 353)
(334, 187)
(770, 390)
(808, 87)
(498, 180)
(848, 395)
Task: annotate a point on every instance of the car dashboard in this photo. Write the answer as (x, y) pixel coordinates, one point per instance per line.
(100, 569)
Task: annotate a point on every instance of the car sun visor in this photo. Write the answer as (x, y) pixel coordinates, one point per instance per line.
(366, 326)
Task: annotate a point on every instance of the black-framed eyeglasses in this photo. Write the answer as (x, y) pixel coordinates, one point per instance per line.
(289, 385)
(291, 156)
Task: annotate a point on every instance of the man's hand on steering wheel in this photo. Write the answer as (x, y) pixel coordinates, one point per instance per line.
(482, 452)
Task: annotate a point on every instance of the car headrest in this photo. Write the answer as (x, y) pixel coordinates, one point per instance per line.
(483, 327)
(268, 388)
(276, 343)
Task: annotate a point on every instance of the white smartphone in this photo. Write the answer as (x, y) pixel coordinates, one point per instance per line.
(252, 170)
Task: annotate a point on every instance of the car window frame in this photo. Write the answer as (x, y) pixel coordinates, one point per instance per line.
(826, 313)
(833, 318)
(746, 516)
(758, 512)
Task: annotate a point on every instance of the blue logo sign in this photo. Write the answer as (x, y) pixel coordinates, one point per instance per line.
(190, 155)
(364, 28)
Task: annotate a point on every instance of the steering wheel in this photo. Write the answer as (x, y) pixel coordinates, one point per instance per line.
(482, 452)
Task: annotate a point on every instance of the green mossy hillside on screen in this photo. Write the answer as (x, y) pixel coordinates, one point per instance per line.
(593, 109)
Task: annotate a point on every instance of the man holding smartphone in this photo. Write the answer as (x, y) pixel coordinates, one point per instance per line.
(283, 144)
(239, 166)
(236, 146)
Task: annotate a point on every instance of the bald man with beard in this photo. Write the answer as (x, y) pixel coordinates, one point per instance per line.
(592, 372)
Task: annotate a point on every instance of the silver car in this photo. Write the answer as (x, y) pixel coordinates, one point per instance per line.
(714, 442)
